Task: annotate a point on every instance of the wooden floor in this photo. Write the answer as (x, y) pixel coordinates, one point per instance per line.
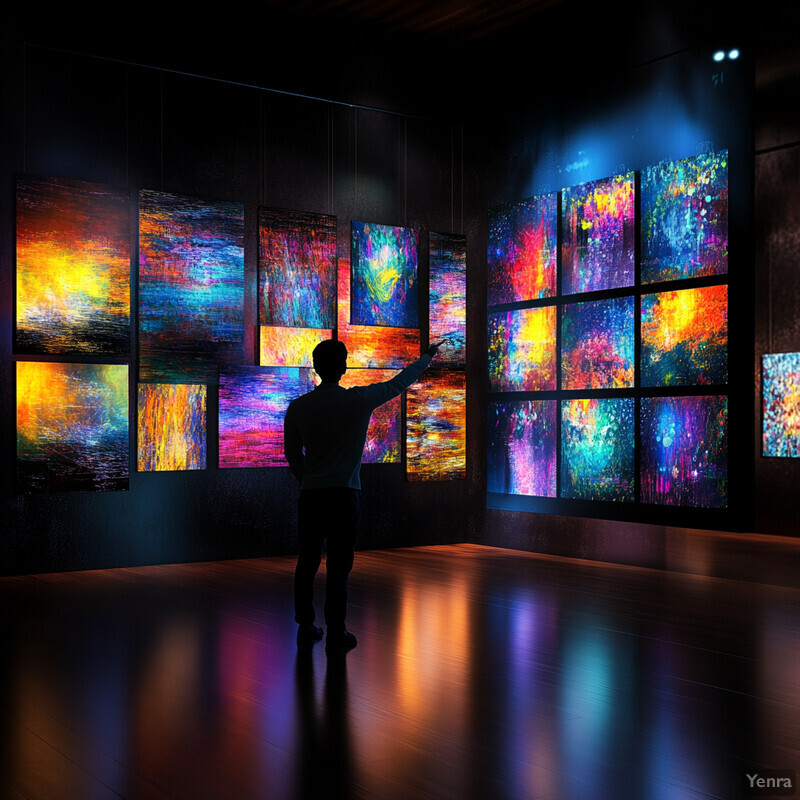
(480, 674)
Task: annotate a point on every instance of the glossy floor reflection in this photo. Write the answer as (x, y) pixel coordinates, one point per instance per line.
(480, 674)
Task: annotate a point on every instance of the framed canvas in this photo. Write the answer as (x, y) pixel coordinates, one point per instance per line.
(684, 458)
(296, 269)
(73, 270)
(684, 208)
(780, 420)
(252, 405)
(72, 427)
(448, 297)
(171, 430)
(599, 233)
(384, 275)
(685, 337)
(289, 347)
(191, 288)
(522, 447)
(522, 250)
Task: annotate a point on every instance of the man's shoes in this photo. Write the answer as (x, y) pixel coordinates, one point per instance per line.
(343, 640)
(308, 634)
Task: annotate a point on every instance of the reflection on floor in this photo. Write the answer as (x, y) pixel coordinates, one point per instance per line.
(480, 674)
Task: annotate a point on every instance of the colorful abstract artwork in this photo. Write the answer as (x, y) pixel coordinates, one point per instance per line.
(384, 275)
(781, 405)
(685, 337)
(296, 269)
(289, 347)
(172, 427)
(597, 250)
(597, 449)
(684, 458)
(448, 297)
(384, 433)
(597, 344)
(522, 350)
(436, 426)
(73, 268)
(72, 427)
(522, 250)
(522, 446)
(191, 288)
(685, 218)
(252, 405)
(372, 347)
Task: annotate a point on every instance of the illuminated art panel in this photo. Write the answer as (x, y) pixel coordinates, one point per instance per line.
(522, 350)
(436, 424)
(685, 337)
(383, 436)
(289, 347)
(781, 405)
(522, 445)
(597, 449)
(191, 288)
(296, 269)
(371, 347)
(73, 268)
(448, 297)
(522, 250)
(172, 427)
(72, 427)
(597, 344)
(598, 235)
(685, 218)
(252, 405)
(384, 275)
(685, 451)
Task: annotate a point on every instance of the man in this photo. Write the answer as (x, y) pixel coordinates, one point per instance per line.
(324, 435)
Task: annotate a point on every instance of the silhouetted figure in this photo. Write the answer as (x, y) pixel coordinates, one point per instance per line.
(324, 435)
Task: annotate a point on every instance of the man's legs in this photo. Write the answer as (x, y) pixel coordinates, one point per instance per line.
(341, 550)
(310, 539)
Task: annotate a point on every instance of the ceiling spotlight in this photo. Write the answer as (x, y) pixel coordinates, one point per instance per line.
(733, 54)
(719, 55)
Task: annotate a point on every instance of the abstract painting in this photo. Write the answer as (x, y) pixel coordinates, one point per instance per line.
(684, 458)
(384, 275)
(383, 436)
(191, 288)
(685, 218)
(172, 427)
(252, 405)
(448, 297)
(597, 449)
(296, 269)
(781, 405)
(685, 337)
(73, 268)
(436, 424)
(522, 447)
(370, 347)
(72, 427)
(522, 250)
(597, 250)
(522, 350)
(289, 347)
(597, 344)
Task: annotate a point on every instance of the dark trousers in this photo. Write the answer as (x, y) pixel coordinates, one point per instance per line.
(325, 517)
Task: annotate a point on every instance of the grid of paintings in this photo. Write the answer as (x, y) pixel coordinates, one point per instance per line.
(73, 268)
(781, 405)
(620, 374)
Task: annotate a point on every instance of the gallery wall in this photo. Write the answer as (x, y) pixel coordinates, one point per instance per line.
(131, 126)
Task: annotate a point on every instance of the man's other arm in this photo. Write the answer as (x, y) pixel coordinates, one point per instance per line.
(293, 446)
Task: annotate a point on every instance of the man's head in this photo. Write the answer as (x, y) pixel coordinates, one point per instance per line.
(330, 360)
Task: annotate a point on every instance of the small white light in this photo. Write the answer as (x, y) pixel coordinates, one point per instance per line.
(719, 55)
(733, 54)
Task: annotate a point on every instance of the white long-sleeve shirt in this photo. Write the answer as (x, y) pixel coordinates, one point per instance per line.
(331, 424)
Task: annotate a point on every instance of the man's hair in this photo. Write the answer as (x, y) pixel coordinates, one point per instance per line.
(330, 358)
